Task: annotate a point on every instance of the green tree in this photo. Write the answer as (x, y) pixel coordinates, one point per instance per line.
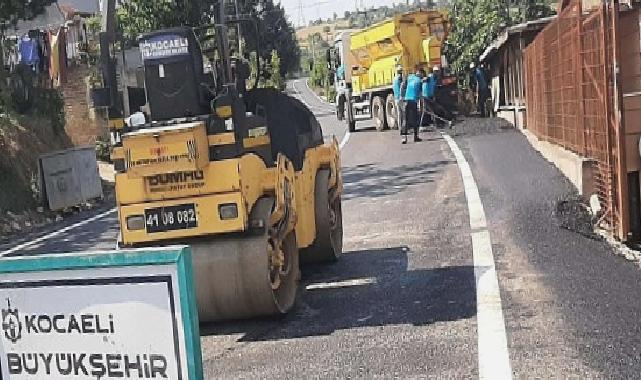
(275, 33)
(477, 22)
(276, 79)
(140, 16)
(535, 9)
(11, 11)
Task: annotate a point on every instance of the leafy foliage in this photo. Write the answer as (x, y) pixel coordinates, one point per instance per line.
(50, 104)
(11, 11)
(140, 16)
(276, 78)
(103, 149)
(319, 74)
(537, 9)
(477, 23)
(275, 33)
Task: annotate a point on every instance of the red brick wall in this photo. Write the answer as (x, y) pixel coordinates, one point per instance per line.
(83, 124)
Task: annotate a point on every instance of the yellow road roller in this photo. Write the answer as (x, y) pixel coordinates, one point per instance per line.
(242, 176)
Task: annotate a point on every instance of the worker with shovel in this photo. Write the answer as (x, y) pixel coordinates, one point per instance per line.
(432, 109)
(430, 83)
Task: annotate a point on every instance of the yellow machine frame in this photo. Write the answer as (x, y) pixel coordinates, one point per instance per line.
(241, 180)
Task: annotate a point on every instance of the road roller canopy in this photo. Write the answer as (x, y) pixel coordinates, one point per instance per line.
(174, 74)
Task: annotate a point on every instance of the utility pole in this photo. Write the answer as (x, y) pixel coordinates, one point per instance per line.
(238, 31)
(301, 14)
(224, 41)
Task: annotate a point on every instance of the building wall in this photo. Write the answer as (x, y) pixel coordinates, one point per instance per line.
(630, 64)
(84, 125)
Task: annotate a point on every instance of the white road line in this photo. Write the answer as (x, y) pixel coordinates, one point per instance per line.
(325, 102)
(342, 284)
(319, 108)
(56, 233)
(344, 140)
(301, 97)
(494, 359)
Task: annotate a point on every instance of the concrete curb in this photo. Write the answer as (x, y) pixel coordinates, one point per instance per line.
(578, 170)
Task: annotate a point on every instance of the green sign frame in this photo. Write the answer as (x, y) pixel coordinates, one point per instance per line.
(179, 256)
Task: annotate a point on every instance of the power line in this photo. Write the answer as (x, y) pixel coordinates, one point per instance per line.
(301, 14)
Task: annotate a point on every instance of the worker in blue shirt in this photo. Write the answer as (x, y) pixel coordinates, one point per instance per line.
(482, 87)
(398, 98)
(430, 84)
(411, 89)
(340, 72)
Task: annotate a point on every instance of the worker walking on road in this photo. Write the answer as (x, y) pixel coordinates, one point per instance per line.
(411, 89)
(398, 97)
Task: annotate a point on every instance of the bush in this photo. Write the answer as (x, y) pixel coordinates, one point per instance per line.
(103, 149)
(330, 93)
(49, 103)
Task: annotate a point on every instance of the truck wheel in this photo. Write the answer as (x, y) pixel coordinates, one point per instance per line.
(351, 125)
(378, 112)
(390, 112)
(340, 109)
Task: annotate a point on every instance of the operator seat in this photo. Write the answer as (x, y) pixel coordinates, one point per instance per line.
(174, 74)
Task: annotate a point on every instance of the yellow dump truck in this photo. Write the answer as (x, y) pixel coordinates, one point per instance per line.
(365, 63)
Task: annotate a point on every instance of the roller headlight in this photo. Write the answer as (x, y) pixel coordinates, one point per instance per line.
(228, 211)
(135, 222)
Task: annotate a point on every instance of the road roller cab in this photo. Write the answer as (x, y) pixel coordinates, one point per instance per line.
(244, 178)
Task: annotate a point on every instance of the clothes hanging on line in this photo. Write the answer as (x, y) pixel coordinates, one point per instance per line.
(29, 51)
(58, 57)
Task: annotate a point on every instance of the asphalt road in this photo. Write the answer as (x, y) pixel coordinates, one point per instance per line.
(402, 302)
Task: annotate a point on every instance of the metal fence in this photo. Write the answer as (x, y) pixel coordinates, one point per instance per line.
(570, 98)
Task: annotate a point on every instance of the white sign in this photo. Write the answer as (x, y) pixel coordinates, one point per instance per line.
(164, 46)
(105, 323)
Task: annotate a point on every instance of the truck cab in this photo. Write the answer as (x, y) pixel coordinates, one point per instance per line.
(338, 63)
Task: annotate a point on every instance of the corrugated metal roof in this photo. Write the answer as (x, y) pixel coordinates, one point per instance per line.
(514, 29)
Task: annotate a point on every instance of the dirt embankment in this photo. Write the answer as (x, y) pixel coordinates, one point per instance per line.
(22, 141)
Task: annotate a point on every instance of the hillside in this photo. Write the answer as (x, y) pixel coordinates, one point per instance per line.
(326, 30)
(22, 140)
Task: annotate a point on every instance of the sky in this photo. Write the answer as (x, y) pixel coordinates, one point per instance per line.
(313, 9)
